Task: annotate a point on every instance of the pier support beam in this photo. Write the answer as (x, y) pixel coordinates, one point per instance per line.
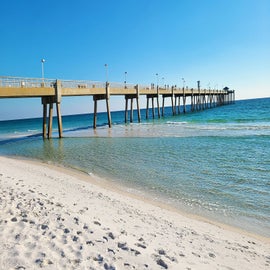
(131, 97)
(108, 104)
(58, 89)
(59, 120)
(44, 118)
(96, 98)
(137, 101)
(204, 103)
(152, 97)
(171, 95)
(172, 100)
(50, 100)
(192, 100)
(147, 106)
(177, 104)
(48, 120)
(158, 102)
(184, 101)
(198, 105)
(103, 97)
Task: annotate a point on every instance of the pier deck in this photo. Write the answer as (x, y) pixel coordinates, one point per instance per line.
(51, 92)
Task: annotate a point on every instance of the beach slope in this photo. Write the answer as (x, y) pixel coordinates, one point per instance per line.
(51, 218)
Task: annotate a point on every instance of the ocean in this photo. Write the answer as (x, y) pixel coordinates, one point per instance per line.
(213, 163)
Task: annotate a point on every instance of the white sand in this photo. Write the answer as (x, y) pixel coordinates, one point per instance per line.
(54, 219)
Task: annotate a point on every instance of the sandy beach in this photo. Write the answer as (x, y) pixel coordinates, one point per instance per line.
(54, 218)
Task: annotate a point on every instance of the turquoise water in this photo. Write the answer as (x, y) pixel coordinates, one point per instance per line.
(214, 163)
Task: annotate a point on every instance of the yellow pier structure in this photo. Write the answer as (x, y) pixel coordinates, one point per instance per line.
(51, 92)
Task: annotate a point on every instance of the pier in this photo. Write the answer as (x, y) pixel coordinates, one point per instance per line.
(52, 91)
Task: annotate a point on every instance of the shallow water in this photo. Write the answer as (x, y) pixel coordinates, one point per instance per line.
(214, 163)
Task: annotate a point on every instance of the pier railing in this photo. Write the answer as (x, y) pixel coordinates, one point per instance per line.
(82, 84)
(20, 82)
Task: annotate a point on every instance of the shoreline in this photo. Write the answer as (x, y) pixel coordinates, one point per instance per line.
(54, 217)
(126, 191)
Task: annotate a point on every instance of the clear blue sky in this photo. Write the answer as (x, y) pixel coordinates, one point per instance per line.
(221, 42)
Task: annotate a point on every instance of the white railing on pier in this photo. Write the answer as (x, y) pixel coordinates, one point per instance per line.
(20, 82)
(6, 81)
(122, 85)
(82, 84)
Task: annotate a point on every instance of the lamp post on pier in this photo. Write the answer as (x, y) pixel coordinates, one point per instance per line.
(183, 83)
(125, 79)
(42, 69)
(157, 79)
(163, 82)
(106, 71)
